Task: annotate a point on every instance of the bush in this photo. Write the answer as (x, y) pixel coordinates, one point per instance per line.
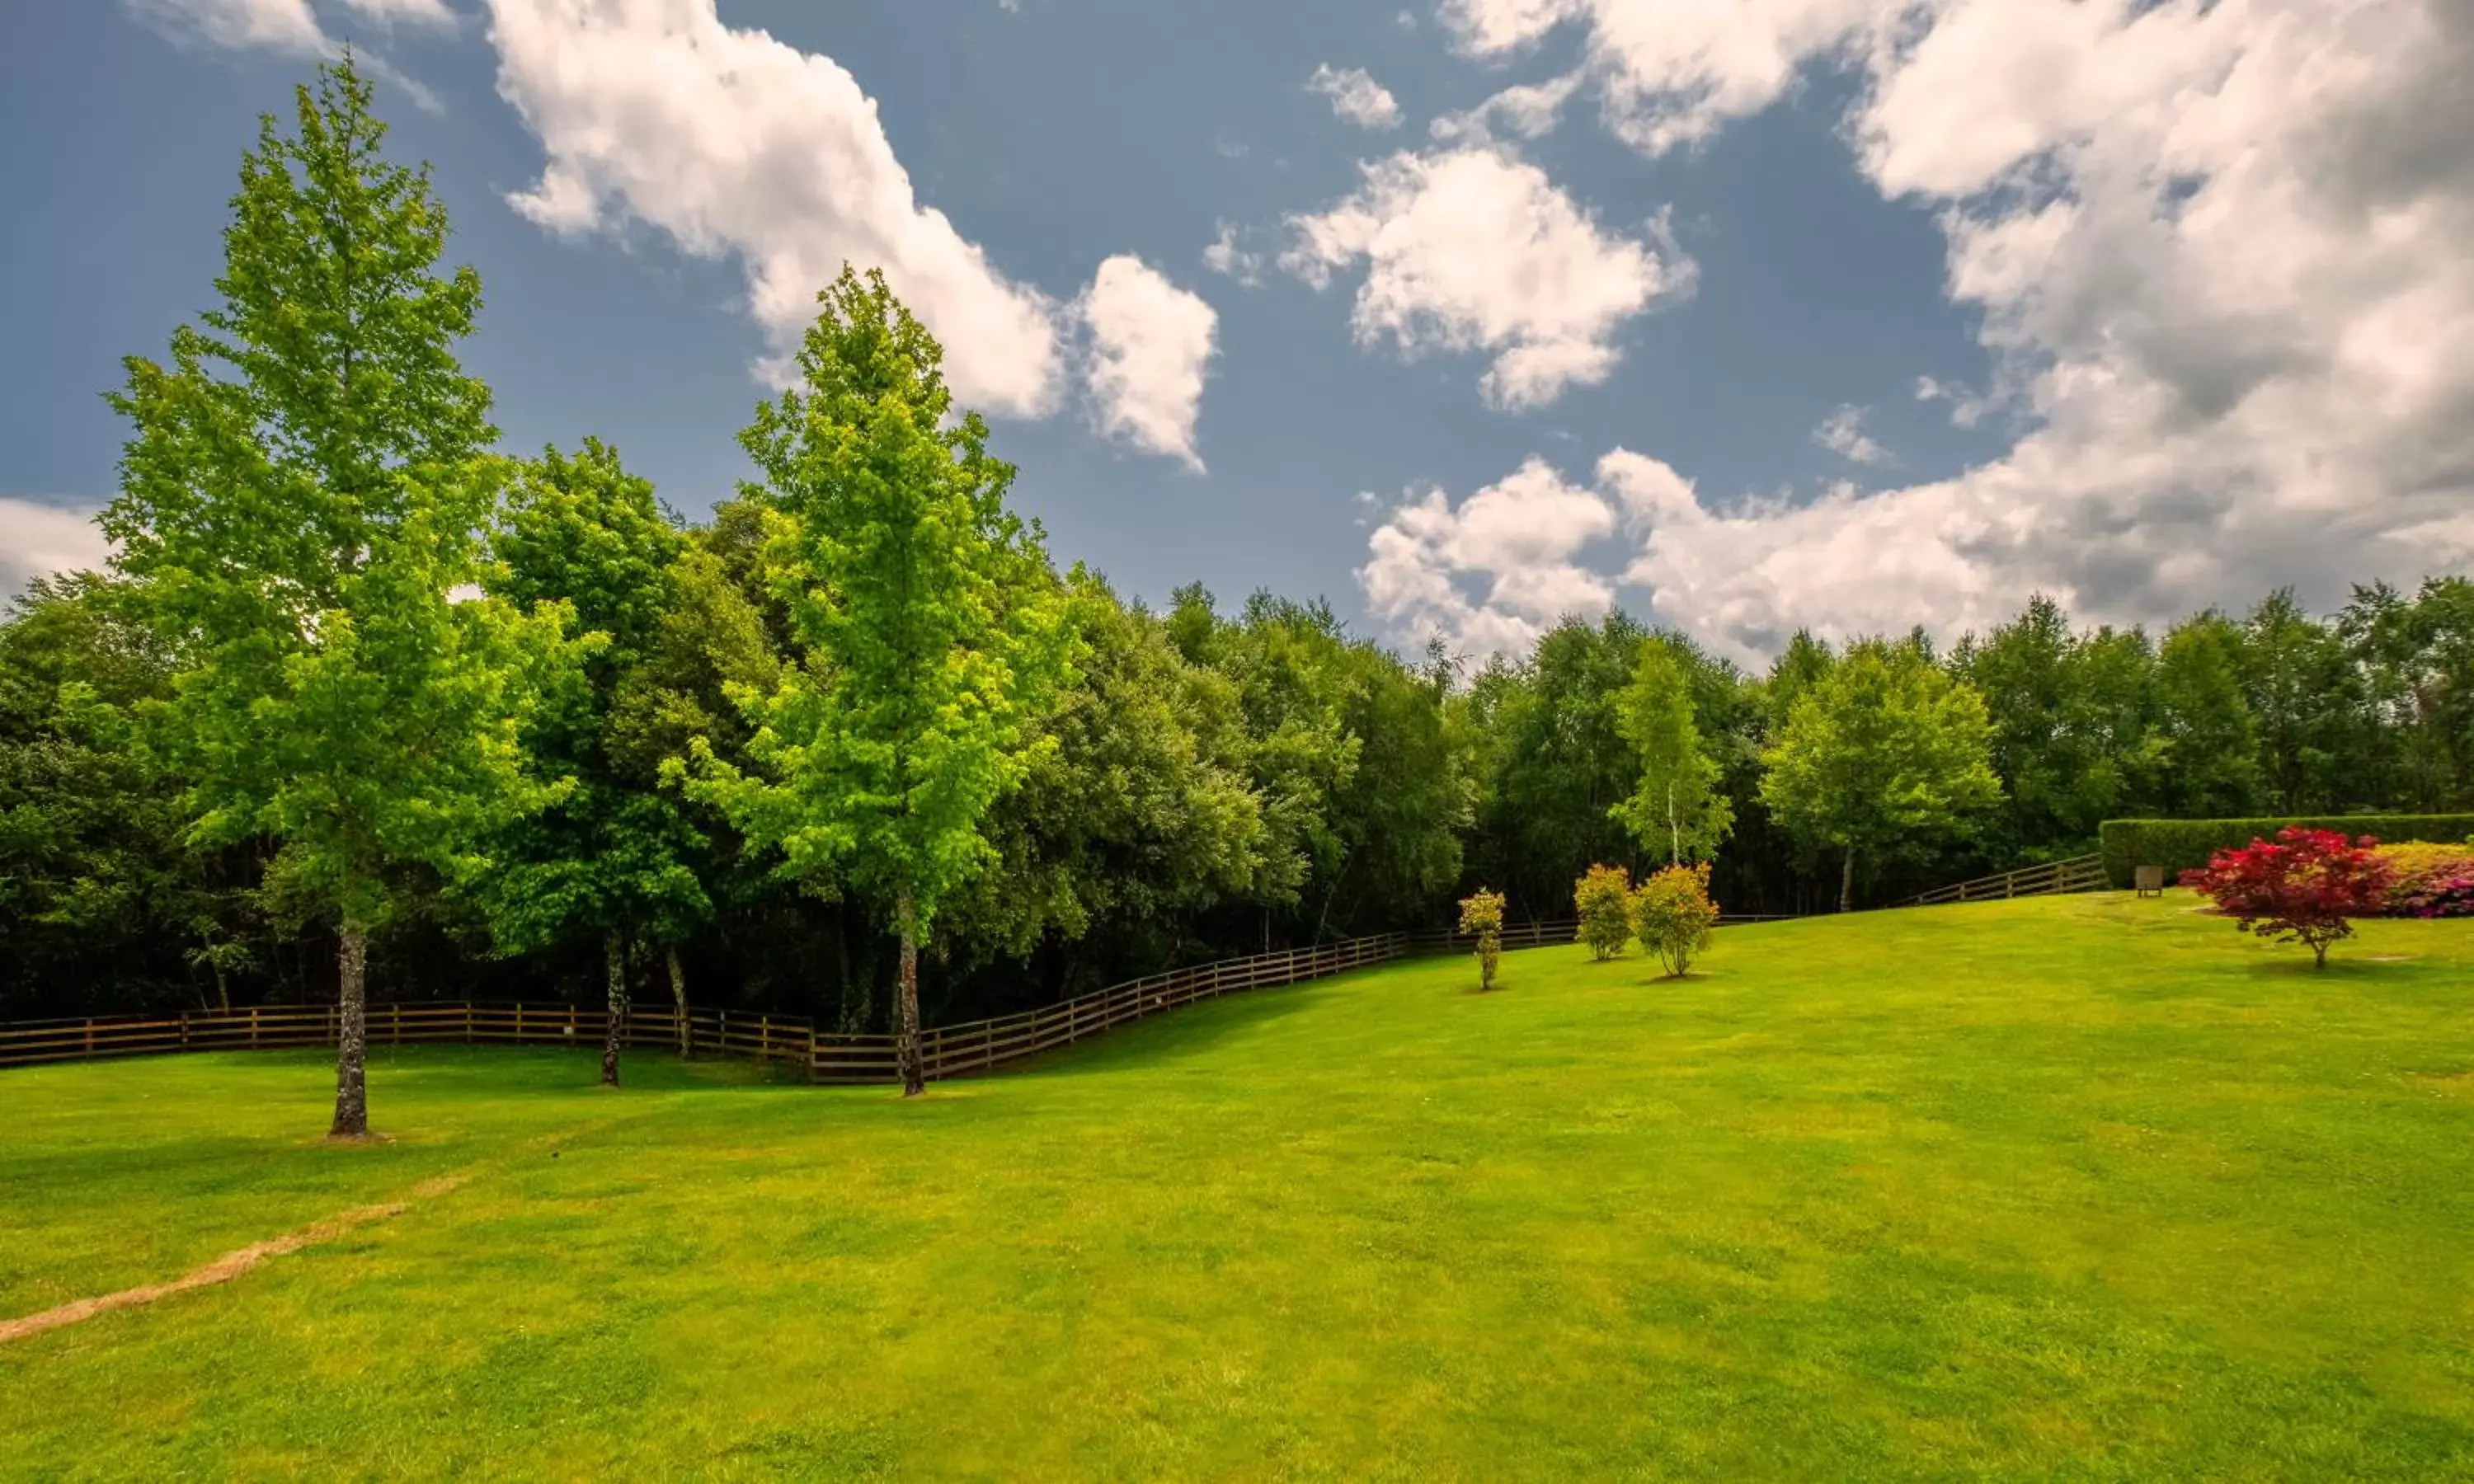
(2189, 845)
(1483, 916)
(2430, 881)
(2304, 888)
(1672, 915)
(1602, 899)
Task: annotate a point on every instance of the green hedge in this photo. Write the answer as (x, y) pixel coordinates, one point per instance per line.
(2186, 845)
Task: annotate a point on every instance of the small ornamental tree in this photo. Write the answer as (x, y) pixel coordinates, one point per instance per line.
(2305, 887)
(1602, 897)
(1672, 915)
(1483, 916)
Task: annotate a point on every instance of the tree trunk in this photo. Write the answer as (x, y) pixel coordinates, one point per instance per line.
(613, 954)
(1847, 882)
(2320, 950)
(906, 1035)
(222, 986)
(352, 1034)
(679, 999)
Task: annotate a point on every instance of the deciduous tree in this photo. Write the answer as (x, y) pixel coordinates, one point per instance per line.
(301, 500)
(1884, 749)
(2306, 886)
(617, 857)
(1676, 804)
(930, 634)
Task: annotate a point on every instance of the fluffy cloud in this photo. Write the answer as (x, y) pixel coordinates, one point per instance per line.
(738, 145)
(1843, 434)
(1673, 74)
(1356, 97)
(1473, 248)
(37, 539)
(1489, 574)
(2218, 249)
(1151, 344)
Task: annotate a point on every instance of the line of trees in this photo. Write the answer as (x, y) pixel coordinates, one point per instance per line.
(368, 704)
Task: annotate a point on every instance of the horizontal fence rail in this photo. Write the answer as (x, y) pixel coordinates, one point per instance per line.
(826, 1056)
(2078, 873)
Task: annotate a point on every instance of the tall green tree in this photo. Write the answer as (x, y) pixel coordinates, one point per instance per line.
(1677, 802)
(2210, 733)
(1555, 759)
(2075, 739)
(302, 502)
(2308, 697)
(932, 635)
(1885, 750)
(617, 857)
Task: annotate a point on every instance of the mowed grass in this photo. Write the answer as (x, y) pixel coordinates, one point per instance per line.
(2087, 1188)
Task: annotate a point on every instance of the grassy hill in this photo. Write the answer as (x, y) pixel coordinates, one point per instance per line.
(2072, 1188)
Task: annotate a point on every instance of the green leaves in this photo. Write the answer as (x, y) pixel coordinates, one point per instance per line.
(1883, 749)
(931, 632)
(1677, 808)
(302, 499)
(617, 853)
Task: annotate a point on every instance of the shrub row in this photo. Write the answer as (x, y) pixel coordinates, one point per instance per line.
(2186, 845)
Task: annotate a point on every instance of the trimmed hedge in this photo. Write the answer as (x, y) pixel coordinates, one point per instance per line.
(2184, 845)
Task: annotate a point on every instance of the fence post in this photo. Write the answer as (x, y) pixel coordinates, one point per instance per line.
(184, 1030)
(467, 1022)
(253, 1027)
(520, 1023)
(764, 1037)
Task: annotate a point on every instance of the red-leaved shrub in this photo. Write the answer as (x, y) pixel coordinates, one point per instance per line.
(2306, 886)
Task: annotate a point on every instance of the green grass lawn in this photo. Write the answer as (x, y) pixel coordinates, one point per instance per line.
(2088, 1188)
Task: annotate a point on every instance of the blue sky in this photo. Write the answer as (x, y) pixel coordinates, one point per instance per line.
(1849, 313)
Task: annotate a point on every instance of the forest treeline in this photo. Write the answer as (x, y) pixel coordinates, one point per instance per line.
(510, 725)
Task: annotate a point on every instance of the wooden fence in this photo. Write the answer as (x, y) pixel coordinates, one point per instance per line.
(2078, 873)
(826, 1055)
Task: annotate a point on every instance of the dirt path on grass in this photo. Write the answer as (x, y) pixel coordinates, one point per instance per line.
(228, 1266)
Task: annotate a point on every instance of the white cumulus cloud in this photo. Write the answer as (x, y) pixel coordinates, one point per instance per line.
(1474, 249)
(1356, 97)
(1672, 74)
(1150, 346)
(1491, 573)
(2218, 249)
(739, 145)
(37, 539)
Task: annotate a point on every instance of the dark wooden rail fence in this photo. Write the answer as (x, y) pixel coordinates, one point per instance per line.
(2078, 873)
(826, 1055)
